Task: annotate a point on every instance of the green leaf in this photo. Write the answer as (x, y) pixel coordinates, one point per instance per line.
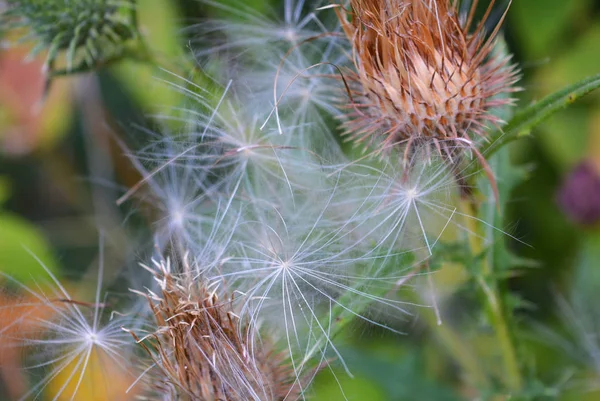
(524, 121)
(19, 241)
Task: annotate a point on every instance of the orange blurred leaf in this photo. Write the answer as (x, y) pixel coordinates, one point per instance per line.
(28, 120)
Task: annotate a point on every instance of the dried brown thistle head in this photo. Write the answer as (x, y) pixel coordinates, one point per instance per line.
(424, 74)
(203, 351)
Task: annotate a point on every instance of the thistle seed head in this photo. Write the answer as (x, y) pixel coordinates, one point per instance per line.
(205, 352)
(424, 74)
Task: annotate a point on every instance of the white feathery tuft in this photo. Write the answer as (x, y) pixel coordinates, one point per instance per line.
(69, 337)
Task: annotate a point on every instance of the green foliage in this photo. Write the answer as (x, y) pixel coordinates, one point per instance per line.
(19, 241)
(90, 33)
(553, 19)
(399, 376)
(327, 388)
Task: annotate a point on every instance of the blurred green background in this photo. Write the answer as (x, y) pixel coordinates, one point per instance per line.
(61, 171)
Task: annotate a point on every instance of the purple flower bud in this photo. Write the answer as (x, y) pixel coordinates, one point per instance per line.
(579, 196)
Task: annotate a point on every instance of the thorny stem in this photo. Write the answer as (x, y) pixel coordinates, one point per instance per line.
(512, 374)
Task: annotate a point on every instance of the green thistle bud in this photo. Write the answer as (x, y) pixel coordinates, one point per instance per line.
(89, 33)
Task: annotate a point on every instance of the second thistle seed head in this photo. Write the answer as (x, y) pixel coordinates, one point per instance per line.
(202, 349)
(423, 74)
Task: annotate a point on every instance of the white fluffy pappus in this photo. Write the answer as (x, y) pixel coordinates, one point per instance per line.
(247, 32)
(410, 207)
(295, 96)
(298, 242)
(192, 178)
(297, 270)
(289, 65)
(400, 208)
(76, 347)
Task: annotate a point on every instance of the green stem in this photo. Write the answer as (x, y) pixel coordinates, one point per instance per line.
(512, 374)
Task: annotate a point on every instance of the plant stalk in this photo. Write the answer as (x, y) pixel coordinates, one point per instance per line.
(486, 281)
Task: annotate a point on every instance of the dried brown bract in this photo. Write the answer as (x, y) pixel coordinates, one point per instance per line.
(203, 352)
(424, 75)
